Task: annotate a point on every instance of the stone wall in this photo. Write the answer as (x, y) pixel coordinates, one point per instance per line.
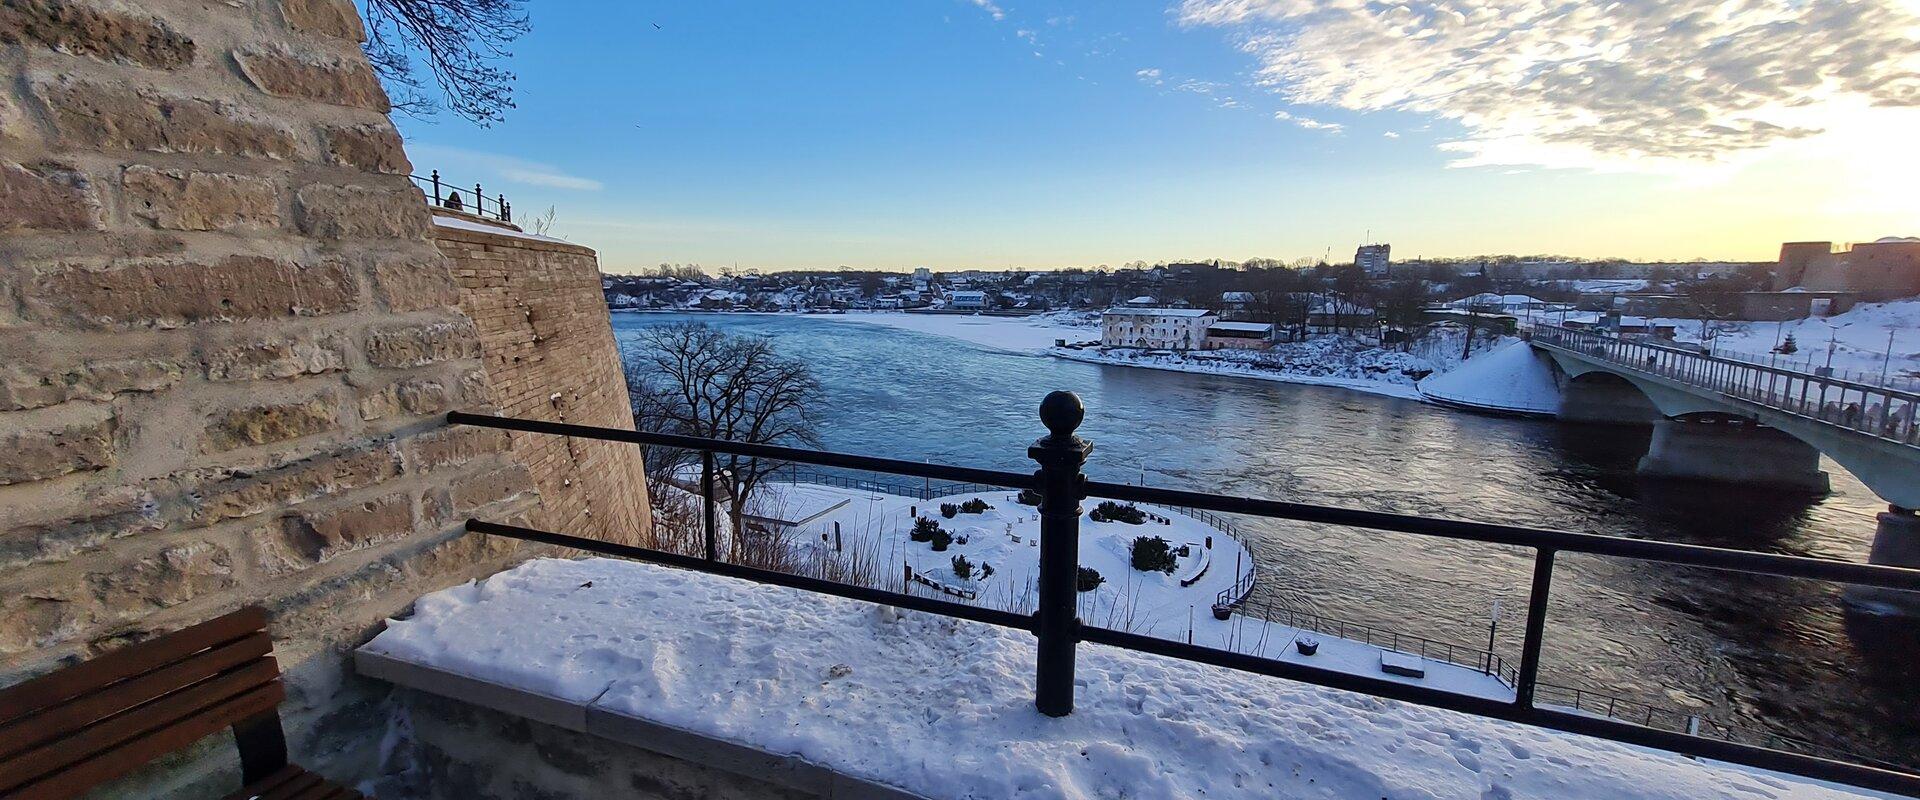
(229, 344)
(550, 355)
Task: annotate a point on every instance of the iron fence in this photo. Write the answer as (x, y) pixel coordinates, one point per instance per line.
(441, 194)
(1058, 630)
(1878, 411)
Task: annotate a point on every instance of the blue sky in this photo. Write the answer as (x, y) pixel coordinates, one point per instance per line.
(964, 133)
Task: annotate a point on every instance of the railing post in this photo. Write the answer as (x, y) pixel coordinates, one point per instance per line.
(1536, 628)
(1060, 455)
(436, 187)
(711, 520)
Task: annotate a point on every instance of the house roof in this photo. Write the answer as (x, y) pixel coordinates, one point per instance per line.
(1242, 327)
(1160, 312)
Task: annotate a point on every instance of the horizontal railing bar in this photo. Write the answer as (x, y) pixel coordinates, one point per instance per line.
(1878, 575)
(918, 469)
(1618, 546)
(1684, 744)
(1570, 333)
(990, 616)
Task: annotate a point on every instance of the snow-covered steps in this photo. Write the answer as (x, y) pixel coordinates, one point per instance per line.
(788, 683)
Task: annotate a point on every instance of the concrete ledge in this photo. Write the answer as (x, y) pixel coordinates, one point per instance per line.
(780, 769)
(555, 711)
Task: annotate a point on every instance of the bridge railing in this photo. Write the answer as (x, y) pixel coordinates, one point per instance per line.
(1879, 411)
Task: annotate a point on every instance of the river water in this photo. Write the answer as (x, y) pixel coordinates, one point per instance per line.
(1758, 653)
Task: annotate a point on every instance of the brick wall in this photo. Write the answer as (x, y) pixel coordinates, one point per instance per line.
(228, 345)
(549, 352)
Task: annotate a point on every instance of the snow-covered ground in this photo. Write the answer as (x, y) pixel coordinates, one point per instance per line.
(1016, 334)
(1321, 361)
(944, 707)
(1509, 378)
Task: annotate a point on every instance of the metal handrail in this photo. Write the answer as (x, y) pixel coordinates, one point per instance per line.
(447, 196)
(1057, 628)
(1882, 412)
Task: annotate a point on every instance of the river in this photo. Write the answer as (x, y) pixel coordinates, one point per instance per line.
(1758, 653)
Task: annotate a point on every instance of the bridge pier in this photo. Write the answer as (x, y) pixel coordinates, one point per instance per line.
(1896, 543)
(1604, 399)
(1732, 451)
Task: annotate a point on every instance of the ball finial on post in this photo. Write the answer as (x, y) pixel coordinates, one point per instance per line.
(1062, 413)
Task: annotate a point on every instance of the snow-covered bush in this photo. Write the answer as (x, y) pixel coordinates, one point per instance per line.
(948, 510)
(1119, 512)
(1152, 554)
(1028, 497)
(1088, 579)
(923, 529)
(974, 506)
(962, 568)
(940, 539)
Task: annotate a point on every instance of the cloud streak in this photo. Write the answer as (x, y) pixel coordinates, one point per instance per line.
(1607, 85)
(459, 160)
(992, 10)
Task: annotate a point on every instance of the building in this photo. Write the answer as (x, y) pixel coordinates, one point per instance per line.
(1372, 258)
(1143, 301)
(1798, 304)
(1239, 336)
(1156, 328)
(967, 300)
(922, 275)
(1877, 271)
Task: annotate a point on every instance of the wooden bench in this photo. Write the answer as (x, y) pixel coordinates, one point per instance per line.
(70, 731)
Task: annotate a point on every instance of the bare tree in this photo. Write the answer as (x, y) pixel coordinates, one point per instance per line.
(691, 379)
(459, 42)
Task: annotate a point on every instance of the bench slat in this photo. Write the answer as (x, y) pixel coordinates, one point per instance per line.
(111, 732)
(269, 783)
(57, 687)
(136, 753)
(88, 709)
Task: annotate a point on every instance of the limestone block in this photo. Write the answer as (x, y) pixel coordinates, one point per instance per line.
(365, 212)
(48, 443)
(313, 537)
(200, 201)
(414, 285)
(278, 357)
(418, 345)
(282, 72)
(88, 30)
(266, 424)
(372, 148)
(168, 293)
(247, 495)
(336, 18)
(117, 117)
(47, 197)
(168, 578)
(25, 387)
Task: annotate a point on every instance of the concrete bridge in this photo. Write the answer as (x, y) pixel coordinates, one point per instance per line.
(1722, 419)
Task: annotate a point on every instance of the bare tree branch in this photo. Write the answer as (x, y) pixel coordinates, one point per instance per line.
(459, 42)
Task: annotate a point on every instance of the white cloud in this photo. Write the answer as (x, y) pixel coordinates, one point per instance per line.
(992, 10)
(1309, 123)
(1031, 37)
(1150, 76)
(1630, 84)
(1391, 135)
(459, 163)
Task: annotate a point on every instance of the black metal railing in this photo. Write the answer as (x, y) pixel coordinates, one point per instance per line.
(1058, 630)
(441, 194)
(1883, 412)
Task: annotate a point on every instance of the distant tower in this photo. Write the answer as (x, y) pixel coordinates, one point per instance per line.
(1372, 258)
(1795, 257)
